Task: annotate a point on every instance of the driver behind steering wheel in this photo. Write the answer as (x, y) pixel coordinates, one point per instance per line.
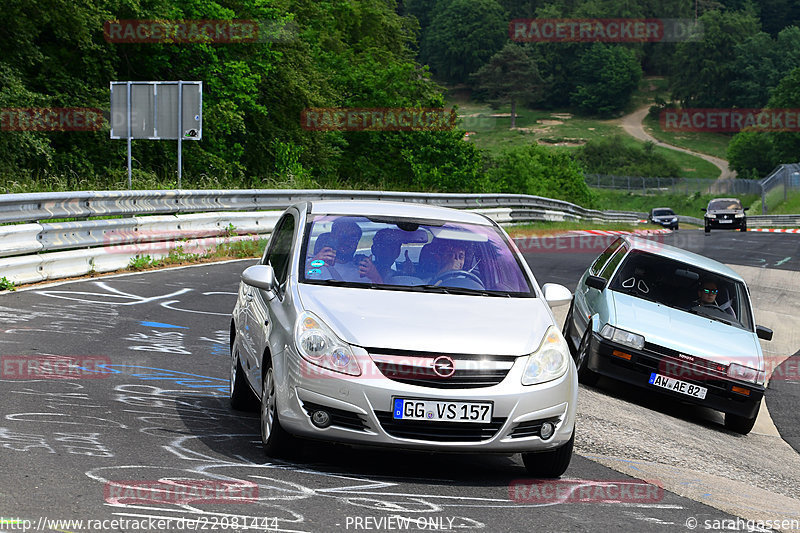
(450, 256)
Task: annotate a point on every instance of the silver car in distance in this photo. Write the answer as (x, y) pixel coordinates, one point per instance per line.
(403, 325)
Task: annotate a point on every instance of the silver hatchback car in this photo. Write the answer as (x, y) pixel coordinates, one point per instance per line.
(403, 325)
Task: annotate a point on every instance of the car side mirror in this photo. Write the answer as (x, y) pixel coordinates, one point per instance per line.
(261, 277)
(703, 209)
(763, 333)
(556, 295)
(745, 209)
(596, 282)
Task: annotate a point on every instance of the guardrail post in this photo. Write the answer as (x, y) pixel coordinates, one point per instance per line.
(763, 200)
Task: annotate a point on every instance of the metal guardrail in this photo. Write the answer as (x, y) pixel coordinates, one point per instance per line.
(156, 222)
(29, 207)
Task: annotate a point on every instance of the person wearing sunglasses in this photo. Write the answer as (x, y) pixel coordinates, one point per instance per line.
(707, 296)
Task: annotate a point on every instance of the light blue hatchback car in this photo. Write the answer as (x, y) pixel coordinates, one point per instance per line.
(671, 321)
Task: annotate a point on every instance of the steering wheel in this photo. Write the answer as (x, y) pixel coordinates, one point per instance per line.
(450, 274)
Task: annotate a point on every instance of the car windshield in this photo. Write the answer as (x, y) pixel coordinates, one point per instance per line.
(722, 205)
(412, 255)
(685, 287)
(662, 212)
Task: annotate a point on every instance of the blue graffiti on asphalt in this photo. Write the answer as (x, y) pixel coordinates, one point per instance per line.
(160, 325)
(192, 381)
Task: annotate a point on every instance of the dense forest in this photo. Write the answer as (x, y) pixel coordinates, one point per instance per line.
(374, 54)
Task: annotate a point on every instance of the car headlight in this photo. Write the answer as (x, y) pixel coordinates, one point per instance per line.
(739, 215)
(633, 340)
(319, 345)
(711, 215)
(550, 361)
(745, 373)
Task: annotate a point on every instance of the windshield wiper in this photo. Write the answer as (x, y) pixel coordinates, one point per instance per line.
(463, 290)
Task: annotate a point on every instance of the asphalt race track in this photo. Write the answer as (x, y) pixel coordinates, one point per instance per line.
(160, 415)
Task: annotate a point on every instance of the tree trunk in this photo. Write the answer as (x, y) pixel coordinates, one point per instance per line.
(513, 114)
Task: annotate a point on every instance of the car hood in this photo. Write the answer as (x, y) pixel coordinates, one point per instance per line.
(665, 218)
(687, 333)
(429, 322)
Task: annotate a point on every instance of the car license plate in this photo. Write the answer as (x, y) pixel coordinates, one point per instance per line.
(439, 411)
(725, 221)
(676, 385)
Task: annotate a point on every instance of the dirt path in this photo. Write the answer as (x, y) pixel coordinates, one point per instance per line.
(632, 124)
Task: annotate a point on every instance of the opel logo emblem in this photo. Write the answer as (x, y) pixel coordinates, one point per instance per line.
(444, 366)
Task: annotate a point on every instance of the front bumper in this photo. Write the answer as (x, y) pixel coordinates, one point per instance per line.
(361, 410)
(643, 363)
(666, 224)
(729, 223)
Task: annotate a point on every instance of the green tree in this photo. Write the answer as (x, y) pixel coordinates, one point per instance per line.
(510, 75)
(606, 78)
(760, 63)
(536, 170)
(786, 144)
(613, 156)
(462, 37)
(702, 72)
(751, 154)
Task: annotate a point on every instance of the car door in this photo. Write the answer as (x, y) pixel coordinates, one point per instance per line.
(587, 299)
(260, 317)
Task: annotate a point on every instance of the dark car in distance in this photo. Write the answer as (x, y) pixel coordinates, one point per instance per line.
(725, 213)
(663, 216)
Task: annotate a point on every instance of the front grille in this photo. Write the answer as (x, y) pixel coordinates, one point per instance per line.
(531, 428)
(416, 368)
(666, 361)
(438, 431)
(339, 417)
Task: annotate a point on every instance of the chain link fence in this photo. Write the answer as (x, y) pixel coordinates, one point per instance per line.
(687, 186)
(773, 190)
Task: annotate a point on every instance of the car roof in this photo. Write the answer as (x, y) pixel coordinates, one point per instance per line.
(678, 254)
(657, 208)
(398, 209)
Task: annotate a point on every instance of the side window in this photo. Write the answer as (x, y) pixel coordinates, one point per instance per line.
(280, 248)
(601, 260)
(613, 262)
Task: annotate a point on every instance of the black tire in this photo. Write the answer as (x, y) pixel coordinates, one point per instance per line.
(240, 394)
(567, 330)
(275, 440)
(585, 375)
(743, 228)
(708, 229)
(551, 463)
(740, 424)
